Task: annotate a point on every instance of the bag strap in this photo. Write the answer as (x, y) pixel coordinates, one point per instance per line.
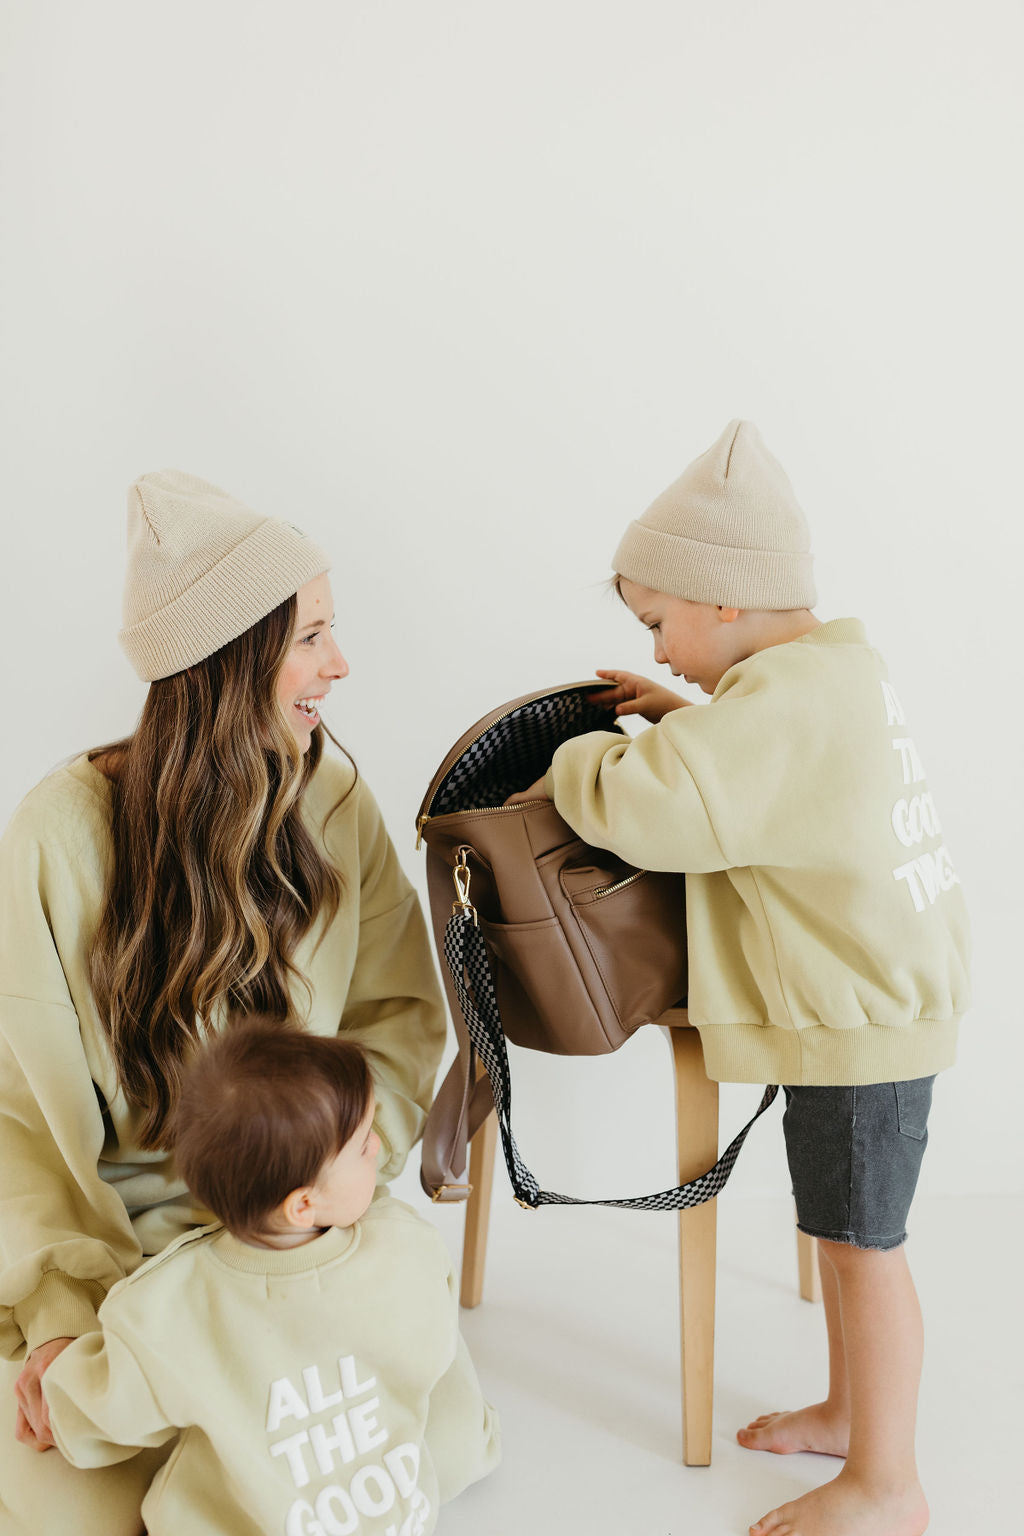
(463, 1101)
(460, 1107)
(470, 970)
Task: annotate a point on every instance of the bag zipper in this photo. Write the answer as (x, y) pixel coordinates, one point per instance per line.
(480, 810)
(446, 767)
(609, 890)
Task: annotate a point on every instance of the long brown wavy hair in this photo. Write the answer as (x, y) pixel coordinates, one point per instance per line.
(215, 877)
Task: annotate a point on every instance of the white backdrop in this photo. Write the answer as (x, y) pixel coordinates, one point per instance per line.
(459, 287)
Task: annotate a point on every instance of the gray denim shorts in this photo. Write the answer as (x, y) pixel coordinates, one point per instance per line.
(854, 1157)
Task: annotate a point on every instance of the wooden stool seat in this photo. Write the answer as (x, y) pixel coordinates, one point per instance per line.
(697, 1143)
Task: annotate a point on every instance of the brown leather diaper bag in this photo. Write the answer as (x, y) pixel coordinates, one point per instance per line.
(552, 943)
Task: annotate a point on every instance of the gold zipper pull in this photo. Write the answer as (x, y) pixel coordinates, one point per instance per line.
(420, 824)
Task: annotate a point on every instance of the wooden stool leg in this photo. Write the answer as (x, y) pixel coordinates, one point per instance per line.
(478, 1211)
(697, 1137)
(807, 1259)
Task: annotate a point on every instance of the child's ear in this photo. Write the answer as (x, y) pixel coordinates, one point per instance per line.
(728, 615)
(297, 1207)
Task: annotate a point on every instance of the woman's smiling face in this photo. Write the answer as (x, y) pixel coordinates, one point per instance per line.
(313, 662)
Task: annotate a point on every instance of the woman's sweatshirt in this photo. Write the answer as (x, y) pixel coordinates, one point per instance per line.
(319, 1388)
(80, 1202)
(826, 928)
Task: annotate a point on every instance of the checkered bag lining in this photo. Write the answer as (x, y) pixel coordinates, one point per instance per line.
(517, 750)
(508, 757)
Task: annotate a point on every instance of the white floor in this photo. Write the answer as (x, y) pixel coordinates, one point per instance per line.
(577, 1344)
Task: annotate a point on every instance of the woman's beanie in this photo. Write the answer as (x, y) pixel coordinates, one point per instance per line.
(728, 531)
(202, 569)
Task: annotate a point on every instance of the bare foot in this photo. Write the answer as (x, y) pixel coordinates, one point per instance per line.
(816, 1428)
(845, 1507)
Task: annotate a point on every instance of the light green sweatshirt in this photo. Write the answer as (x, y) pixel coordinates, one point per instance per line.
(80, 1203)
(826, 928)
(320, 1388)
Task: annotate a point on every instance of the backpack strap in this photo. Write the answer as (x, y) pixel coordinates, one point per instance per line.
(470, 972)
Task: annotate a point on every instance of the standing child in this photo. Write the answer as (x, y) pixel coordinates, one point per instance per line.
(306, 1353)
(826, 928)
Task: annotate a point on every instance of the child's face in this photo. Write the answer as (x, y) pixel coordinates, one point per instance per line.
(345, 1185)
(698, 641)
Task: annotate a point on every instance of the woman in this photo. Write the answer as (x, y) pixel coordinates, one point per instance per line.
(213, 863)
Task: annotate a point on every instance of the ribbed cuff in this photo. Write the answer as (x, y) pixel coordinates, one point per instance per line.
(60, 1307)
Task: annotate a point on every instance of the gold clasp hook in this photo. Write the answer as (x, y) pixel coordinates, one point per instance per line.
(462, 874)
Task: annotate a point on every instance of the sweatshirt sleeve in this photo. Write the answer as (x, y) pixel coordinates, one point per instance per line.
(65, 1236)
(102, 1408)
(727, 785)
(638, 798)
(393, 1009)
(463, 1433)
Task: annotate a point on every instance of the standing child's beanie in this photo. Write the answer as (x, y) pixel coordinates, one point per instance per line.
(202, 569)
(728, 531)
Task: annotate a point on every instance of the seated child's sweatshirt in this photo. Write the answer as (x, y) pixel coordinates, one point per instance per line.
(326, 1383)
(826, 928)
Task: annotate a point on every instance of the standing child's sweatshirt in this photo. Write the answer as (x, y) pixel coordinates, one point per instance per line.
(318, 1388)
(826, 929)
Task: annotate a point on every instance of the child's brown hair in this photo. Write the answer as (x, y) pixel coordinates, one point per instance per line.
(263, 1107)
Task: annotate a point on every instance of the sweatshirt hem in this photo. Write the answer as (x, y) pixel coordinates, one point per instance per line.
(823, 1056)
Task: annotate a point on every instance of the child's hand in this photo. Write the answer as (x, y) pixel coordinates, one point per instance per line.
(635, 695)
(32, 1427)
(535, 792)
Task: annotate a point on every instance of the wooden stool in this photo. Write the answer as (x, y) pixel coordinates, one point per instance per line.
(697, 1141)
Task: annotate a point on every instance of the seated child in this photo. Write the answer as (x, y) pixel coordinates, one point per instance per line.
(825, 925)
(306, 1353)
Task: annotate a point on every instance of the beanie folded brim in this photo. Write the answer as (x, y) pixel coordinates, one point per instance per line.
(713, 573)
(251, 580)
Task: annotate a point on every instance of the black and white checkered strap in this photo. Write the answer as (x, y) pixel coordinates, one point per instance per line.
(466, 955)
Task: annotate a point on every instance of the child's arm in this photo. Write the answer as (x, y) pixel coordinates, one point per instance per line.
(631, 695)
(102, 1409)
(638, 798)
(463, 1434)
(635, 695)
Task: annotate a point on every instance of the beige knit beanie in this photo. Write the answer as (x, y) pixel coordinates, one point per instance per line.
(202, 569)
(728, 531)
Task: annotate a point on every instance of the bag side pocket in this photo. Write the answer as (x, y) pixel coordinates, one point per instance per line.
(635, 930)
(542, 998)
